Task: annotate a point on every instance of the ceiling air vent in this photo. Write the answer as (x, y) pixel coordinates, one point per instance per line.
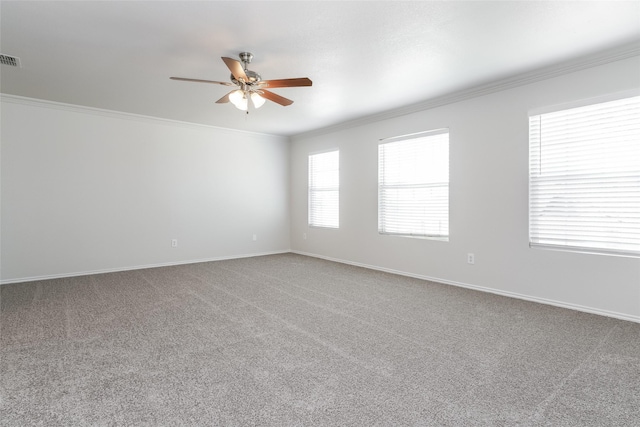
(12, 61)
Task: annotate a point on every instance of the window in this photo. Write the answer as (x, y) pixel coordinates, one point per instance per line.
(413, 185)
(584, 178)
(324, 189)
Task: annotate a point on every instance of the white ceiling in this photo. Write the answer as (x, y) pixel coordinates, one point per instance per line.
(364, 58)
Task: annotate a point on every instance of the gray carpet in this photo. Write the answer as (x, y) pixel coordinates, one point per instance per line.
(288, 340)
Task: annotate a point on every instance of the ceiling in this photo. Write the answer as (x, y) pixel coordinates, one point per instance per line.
(364, 58)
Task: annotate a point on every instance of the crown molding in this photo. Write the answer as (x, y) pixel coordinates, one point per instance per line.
(585, 62)
(34, 102)
(582, 63)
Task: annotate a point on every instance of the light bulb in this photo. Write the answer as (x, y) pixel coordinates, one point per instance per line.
(257, 100)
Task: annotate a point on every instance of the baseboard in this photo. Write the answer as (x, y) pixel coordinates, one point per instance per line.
(136, 267)
(516, 295)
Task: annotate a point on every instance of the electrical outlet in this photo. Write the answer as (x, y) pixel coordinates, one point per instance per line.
(471, 258)
(174, 243)
(304, 236)
(255, 237)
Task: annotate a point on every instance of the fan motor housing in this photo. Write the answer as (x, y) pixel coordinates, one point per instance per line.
(253, 78)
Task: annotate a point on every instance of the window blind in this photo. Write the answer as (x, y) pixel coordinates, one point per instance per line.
(324, 189)
(413, 185)
(584, 178)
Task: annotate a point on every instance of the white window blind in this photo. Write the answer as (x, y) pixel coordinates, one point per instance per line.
(324, 189)
(413, 185)
(584, 178)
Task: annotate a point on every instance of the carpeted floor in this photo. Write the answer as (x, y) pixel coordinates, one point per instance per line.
(288, 340)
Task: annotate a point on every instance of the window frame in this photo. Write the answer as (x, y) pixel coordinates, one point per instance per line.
(536, 239)
(311, 190)
(383, 227)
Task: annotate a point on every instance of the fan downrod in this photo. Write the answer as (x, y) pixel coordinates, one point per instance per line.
(246, 58)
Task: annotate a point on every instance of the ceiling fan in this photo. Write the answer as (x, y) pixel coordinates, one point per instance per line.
(250, 85)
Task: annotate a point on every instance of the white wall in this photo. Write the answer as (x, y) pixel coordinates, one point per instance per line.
(488, 201)
(85, 190)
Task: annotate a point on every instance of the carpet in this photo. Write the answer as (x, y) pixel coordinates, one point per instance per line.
(290, 340)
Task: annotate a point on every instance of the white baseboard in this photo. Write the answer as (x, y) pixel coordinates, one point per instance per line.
(555, 303)
(516, 295)
(136, 267)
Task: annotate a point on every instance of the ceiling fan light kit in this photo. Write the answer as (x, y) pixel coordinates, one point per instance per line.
(250, 85)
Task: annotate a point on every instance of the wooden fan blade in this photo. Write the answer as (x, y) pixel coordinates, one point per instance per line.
(236, 68)
(302, 81)
(275, 98)
(201, 81)
(224, 99)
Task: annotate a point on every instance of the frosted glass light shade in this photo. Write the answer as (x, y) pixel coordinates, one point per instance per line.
(239, 99)
(243, 104)
(235, 97)
(257, 100)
